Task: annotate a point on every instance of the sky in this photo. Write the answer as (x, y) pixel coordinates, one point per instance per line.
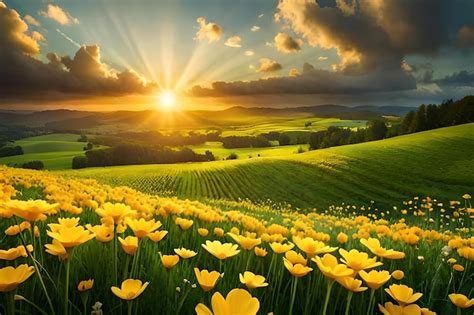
(213, 54)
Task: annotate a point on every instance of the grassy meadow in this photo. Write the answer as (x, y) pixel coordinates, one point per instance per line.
(55, 150)
(136, 253)
(434, 163)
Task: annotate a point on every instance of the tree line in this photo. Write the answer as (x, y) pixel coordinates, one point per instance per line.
(133, 154)
(426, 117)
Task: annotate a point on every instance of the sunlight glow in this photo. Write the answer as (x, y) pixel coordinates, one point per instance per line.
(167, 100)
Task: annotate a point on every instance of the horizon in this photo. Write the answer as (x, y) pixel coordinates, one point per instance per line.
(101, 56)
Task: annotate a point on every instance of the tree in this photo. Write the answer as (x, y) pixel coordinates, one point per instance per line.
(407, 123)
(232, 156)
(209, 156)
(33, 165)
(82, 138)
(284, 139)
(376, 129)
(79, 162)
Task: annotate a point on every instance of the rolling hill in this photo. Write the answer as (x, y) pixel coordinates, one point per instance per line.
(435, 163)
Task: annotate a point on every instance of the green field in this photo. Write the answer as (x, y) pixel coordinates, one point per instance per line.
(436, 163)
(244, 153)
(55, 150)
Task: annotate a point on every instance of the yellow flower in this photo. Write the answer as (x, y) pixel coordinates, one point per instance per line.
(63, 222)
(398, 275)
(130, 289)
(466, 252)
(297, 270)
(207, 280)
(237, 299)
(295, 258)
(451, 261)
(71, 236)
(466, 196)
(85, 285)
(157, 236)
(142, 227)
(373, 245)
(280, 248)
(358, 260)
(185, 253)
(219, 250)
(169, 261)
(391, 309)
(403, 294)
(31, 210)
(330, 268)
(203, 232)
(312, 247)
(57, 249)
(252, 280)
(351, 284)
(245, 242)
(461, 301)
(260, 252)
(129, 244)
(184, 224)
(375, 279)
(15, 252)
(117, 211)
(103, 233)
(219, 232)
(458, 267)
(342, 238)
(11, 277)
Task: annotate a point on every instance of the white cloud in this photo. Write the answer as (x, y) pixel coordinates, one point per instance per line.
(249, 53)
(233, 42)
(58, 14)
(255, 28)
(211, 32)
(322, 58)
(31, 20)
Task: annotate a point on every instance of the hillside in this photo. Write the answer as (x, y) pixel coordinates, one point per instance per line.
(55, 150)
(436, 163)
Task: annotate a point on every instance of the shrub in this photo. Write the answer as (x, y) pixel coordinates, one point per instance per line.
(79, 162)
(232, 156)
(33, 165)
(11, 150)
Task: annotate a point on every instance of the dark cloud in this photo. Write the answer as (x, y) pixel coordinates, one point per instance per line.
(462, 79)
(312, 81)
(22, 74)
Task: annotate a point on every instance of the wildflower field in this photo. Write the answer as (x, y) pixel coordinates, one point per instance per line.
(74, 246)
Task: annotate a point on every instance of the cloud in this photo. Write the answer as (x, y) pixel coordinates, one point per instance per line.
(23, 75)
(293, 72)
(286, 44)
(268, 65)
(459, 79)
(233, 42)
(311, 81)
(322, 58)
(58, 14)
(255, 28)
(249, 53)
(466, 37)
(260, 16)
(31, 20)
(211, 32)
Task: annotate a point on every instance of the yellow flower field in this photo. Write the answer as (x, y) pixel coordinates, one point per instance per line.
(76, 247)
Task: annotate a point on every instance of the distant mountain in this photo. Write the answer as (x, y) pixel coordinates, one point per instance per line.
(153, 119)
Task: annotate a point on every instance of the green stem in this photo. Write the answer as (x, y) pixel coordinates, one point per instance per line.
(37, 271)
(66, 288)
(348, 304)
(129, 308)
(293, 294)
(10, 296)
(115, 255)
(458, 311)
(370, 308)
(328, 294)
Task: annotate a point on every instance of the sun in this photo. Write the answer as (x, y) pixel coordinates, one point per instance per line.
(167, 100)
